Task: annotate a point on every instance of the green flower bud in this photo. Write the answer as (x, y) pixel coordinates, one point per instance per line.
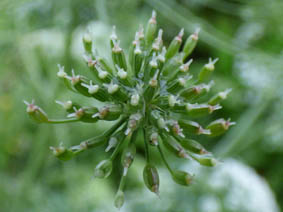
(151, 29)
(182, 177)
(196, 110)
(116, 91)
(207, 70)
(196, 91)
(173, 146)
(178, 84)
(103, 169)
(190, 44)
(192, 145)
(87, 41)
(119, 199)
(118, 55)
(219, 126)
(36, 113)
(219, 97)
(192, 127)
(108, 113)
(175, 45)
(151, 178)
(97, 92)
(62, 153)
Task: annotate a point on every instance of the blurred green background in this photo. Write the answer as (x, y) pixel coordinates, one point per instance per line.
(36, 35)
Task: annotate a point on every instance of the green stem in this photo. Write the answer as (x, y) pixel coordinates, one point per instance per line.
(164, 160)
(97, 140)
(118, 147)
(122, 183)
(61, 121)
(146, 147)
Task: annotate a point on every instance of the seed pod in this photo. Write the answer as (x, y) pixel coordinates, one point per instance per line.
(138, 59)
(192, 127)
(206, 160)
(128, 157)
(119, 199)
(102, 75)
(116, 91)
(62, 153)
(36, 113)
(151, 178)
(219, 97)
(192, 145)
(173, 146)
(190, 44)
(97, 92)
(63, 75)
(219, 126)
(197, 110)
(87, 41)
(118, 56)
(123, 76)
(182, 177)
(196, 91)
(108, 113)
(207, 70)
(175, 45)
(103, 169)
(157, 44)
(178, 84)
(150, 29)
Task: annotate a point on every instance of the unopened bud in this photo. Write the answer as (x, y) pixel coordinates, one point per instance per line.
(197, 110)
(190, 44)
(219, 97)
(62, 153)
(151, 178)
(151, 29)
(119, 199)
(87, 41)
(175, 45)
(182, 177)
(219, 126)
(36, 113)
(207, 70)
(185, 67)
(192, 127)
(122, 74)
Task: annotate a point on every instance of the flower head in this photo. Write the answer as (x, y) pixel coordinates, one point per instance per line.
(151, 92)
